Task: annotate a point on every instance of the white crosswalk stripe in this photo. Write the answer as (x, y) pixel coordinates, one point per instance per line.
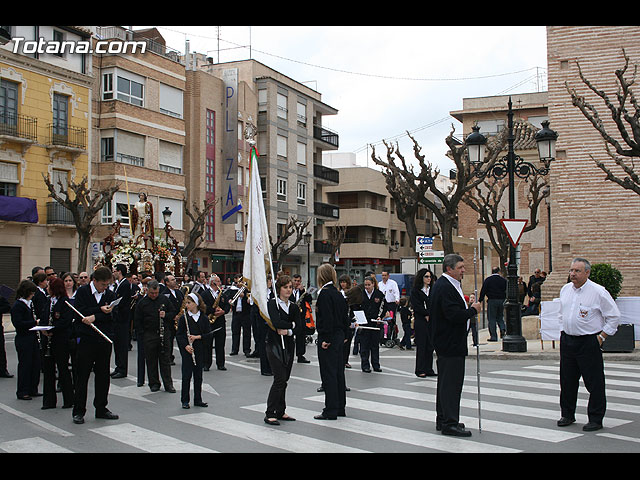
(396, 434)
(32, 445)
(148, 440)
(264, 434)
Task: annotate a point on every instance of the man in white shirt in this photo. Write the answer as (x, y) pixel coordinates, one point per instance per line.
(390, 290)
(588, 316)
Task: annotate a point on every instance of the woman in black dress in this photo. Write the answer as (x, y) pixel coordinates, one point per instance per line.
(26, 341)
(420, 302)
(280, 345)
(58, 354)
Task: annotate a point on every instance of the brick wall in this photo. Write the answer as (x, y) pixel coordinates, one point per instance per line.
(591, 217)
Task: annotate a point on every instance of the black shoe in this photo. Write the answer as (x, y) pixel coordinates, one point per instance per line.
(366, 370)
(592, 426)
(170, 390)
(118, 375)
(456, 431)
(201, 404)
(347, 365)
(322, 416)
(25, 397)
(154, 388)
(320, 389)
(78, 419)
(287, 419)
(377, 369)
(107, 415)
(267, 374)
(564, 421)
(47, 407)
(303, 360)
(6, 374)
(492, 339)
(185, 406)
(269, 421)
(222, 368)
(439, 426)
(233, 353)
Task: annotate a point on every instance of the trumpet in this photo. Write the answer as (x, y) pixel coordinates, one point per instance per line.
(242, 288)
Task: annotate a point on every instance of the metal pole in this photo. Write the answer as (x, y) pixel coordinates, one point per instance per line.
(475, 279)
(513, 341)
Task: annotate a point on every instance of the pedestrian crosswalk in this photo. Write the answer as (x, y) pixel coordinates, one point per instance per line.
(518, 404)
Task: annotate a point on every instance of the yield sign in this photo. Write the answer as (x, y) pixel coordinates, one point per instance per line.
(514, 228)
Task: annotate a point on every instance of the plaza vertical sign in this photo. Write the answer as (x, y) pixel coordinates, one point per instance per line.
(230, 205)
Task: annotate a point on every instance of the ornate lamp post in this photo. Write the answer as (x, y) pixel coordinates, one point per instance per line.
(513, 165)
(166, 215)
(307, 242)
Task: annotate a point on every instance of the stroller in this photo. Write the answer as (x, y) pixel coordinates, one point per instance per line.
(390, 331)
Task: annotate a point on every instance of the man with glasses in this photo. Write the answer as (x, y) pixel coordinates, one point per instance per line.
(83, 279)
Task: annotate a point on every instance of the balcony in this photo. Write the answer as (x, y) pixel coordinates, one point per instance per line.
(321, 246)
(326, 175)
(325, 135)
(326, 210)
(58, 215)
(66, 136)
(18, 126)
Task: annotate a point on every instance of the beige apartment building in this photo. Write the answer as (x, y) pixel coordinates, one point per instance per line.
(490, 113)
(591, 217)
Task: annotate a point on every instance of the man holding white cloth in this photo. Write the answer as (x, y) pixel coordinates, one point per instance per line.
(588, 316)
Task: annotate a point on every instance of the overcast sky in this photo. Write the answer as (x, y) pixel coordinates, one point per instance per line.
(386, 80)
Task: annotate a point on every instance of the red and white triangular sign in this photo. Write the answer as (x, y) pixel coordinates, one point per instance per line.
(514, 228)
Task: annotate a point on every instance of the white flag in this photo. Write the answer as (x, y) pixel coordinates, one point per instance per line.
(257, 252)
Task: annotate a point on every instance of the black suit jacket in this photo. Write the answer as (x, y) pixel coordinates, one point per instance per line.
(201, 327)
(41, 306)
(332, 314)
(22, 319)
(86, 304)
(449, 314)
(420, 303)
(121, 312)
(62, 318)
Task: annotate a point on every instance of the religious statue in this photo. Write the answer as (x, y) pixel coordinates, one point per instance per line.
(142, 219)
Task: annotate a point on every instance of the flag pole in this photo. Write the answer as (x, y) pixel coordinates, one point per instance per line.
(475, 279)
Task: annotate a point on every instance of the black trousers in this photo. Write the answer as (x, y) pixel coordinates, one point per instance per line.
(29, 364)
(581, 356)
(369, 348)
(59, 359)
(92, 354)
(241, 325)
(121, 341)
(190, 370)
(331, 362)
(449, 390)
(424, 346)
(216, 343)
(156, 355)
(276, 403)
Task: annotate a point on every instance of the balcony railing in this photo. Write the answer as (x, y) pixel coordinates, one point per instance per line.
(57, 214)
(67, 136)
(326, 210)
(325, 135)
(326, 173)
(16, 125)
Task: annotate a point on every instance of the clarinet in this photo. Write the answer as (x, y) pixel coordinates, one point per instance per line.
(186, 323)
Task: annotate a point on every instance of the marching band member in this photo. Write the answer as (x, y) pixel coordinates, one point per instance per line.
(280, 346)
(26, 341)
(221, 307)
(373, 305)
(193, 331)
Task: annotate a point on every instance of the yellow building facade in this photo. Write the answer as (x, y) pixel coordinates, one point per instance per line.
(45, 105)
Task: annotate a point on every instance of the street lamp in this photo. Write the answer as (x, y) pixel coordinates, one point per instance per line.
(307, 242)
(513, 165)
(166, 214)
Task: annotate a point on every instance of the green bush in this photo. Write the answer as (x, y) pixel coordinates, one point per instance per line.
(607, 276)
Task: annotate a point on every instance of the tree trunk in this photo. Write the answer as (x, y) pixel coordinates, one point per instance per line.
(83, 247)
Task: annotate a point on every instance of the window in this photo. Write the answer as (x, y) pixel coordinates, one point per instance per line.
(210, 176)
(262, 100)
(176, 208)
(107, 213)
(263, 187)
(60, 117)
(282, 106)
(8, 179)
(106, 149)
(302, 193)
(302, 154)
(302, 114)
(171, 101)
(170, 157)
(282, 146)
(58, 36)
(130, 91)
(211, 128)
(107, 86)
(60, 177)
(281, 189)
(8, 107)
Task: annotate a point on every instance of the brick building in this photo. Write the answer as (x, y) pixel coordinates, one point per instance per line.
(590, 217)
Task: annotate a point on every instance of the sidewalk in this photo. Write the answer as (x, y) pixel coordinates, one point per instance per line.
(538, 350)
